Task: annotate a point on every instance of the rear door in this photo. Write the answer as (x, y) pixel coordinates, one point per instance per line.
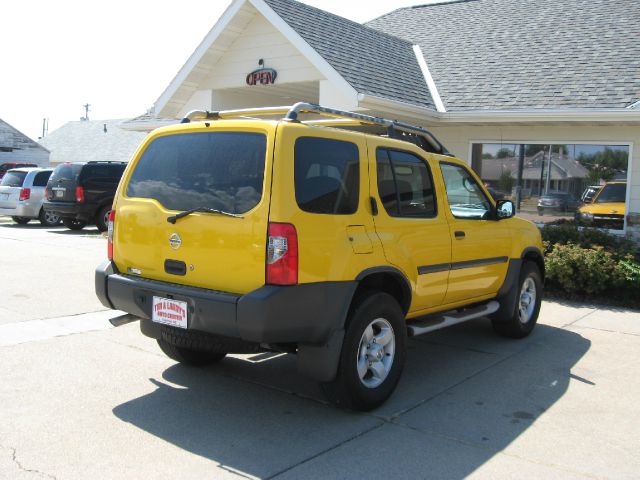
(200, 167)
(63, 182)
(410, 222)
(10, 188)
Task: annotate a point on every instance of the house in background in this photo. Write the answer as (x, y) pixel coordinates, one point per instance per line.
(92, 140)
(474, 72)
(17, 147)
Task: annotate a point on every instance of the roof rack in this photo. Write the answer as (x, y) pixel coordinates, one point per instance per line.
(395, 129)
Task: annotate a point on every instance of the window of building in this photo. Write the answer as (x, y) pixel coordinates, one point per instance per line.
(553, 182)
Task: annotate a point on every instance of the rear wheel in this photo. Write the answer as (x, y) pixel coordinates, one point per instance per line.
(21, 220)
(48, 219)
(73, 224)
(373, 354)
(187, 356)
(102, 218)
(520, 322)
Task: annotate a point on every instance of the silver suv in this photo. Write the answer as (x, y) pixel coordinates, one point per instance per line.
(22, 193)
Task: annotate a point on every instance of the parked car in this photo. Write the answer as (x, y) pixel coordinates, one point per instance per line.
(22, 194)
(82, 193)
(237, 234)
(6, 166)
(607, 210)
(556, 201)
(589, 193)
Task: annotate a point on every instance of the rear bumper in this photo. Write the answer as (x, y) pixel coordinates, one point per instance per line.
(306, 313)
(73, 210)
(22, 210)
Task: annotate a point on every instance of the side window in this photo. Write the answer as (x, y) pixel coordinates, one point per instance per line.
(465, 196)
(327, 175)
(40, 180)
(405, 185)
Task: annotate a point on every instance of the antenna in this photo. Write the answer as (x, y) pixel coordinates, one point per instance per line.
(86, 112)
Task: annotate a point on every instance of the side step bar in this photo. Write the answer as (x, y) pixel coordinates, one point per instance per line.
(446, 319)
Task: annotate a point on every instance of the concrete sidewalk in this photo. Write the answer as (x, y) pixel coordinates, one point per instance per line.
(108, 404)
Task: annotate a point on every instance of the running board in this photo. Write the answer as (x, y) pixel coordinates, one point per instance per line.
(446, 319)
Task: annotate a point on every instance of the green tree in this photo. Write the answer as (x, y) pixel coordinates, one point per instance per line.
(604, 164)
(506, 181)
(505, 152)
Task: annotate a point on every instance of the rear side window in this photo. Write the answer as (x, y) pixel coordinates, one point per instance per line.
(67, 171)
(405, 184)
(105, 173)
(327, 175)
(220, 170)
(41, 179)
(13, 179)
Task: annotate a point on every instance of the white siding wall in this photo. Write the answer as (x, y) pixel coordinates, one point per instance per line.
(260, 40)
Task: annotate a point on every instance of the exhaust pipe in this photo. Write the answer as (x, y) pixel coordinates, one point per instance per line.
(123, 320)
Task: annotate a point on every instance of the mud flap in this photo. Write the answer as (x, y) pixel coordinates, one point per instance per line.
(320, 362)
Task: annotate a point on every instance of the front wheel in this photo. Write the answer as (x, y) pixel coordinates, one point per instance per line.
(520, 322)
(373, 354)
(73, 224)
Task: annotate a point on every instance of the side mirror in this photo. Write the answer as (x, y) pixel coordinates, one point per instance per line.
(505, 209)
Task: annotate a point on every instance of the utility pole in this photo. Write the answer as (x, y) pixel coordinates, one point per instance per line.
(45, 127)
(86, 111)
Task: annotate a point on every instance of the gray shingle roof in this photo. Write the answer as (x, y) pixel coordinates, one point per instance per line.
(513, 54)
(84, 141)
(370, 61)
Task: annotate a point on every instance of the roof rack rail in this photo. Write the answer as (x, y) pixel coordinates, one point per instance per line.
(291, 114)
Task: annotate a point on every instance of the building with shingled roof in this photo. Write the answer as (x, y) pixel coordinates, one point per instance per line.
(477, 73)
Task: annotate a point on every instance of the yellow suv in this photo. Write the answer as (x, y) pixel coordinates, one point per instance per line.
(607, 209)
(334, 238)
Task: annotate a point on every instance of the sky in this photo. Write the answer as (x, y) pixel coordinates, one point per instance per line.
(118, 56)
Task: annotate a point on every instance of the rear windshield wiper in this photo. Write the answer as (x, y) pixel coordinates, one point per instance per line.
(177, 216)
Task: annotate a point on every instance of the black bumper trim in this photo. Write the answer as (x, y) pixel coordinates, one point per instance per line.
(305, 313)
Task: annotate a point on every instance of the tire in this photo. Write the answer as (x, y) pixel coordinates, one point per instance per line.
(541, 212)
(48, 219)
(73, 224)
(520, 322)
(362, 384)
(186, 356)
(21, 220)
(102, 218)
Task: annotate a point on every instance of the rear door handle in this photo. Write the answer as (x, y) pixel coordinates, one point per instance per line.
(459, 234)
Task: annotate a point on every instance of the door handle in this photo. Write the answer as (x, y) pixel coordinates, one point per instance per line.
(459, 234)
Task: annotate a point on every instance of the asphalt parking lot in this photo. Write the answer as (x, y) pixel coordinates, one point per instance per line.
(83, 400)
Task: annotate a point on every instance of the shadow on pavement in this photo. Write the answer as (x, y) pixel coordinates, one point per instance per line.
(466, 394)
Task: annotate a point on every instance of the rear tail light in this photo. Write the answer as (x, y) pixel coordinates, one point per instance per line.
(46, 192)
(112, 218)
(282, 254)
(79, 194)
(25, 194)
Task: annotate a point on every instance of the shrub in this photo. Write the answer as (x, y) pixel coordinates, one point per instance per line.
(584, 270)
(569, 233)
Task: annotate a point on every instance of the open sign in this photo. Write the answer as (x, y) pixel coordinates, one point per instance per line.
(262, 76)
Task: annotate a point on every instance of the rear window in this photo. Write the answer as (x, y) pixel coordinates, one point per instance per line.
(67, 172)
(13, 179)
(327, 175)
(221, 170)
